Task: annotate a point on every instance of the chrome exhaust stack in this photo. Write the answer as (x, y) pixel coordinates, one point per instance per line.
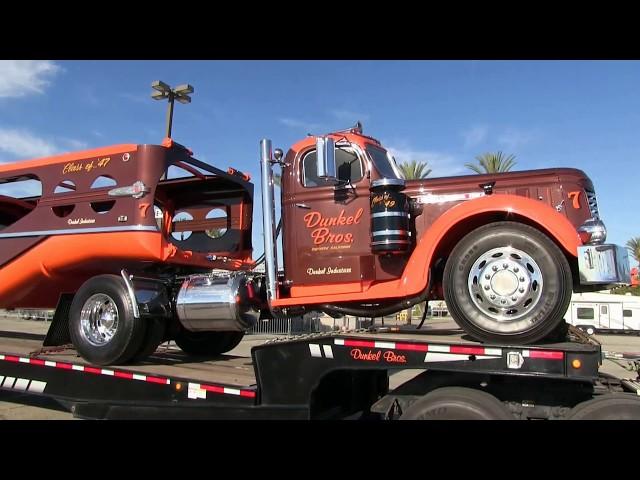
(268, 219)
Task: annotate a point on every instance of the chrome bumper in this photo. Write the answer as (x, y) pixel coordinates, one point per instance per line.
(603, 264)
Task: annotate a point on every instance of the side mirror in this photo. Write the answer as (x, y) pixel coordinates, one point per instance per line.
(326, 155)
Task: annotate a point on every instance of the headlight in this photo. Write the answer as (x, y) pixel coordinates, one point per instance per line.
(593, 232)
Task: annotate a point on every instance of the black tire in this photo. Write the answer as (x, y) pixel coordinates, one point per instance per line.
(154, 334)
(127, 334)
(613, 406)
(507, 282)
(207, 343)
(457, 403)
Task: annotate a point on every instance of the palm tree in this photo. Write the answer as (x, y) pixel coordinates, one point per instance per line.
(492, 163)
(634, 247)
(414, 170)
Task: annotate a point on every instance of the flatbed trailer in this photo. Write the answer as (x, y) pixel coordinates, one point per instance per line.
(333, 375)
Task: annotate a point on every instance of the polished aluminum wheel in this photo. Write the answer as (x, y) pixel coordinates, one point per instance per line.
(99, 319)
(505, 284)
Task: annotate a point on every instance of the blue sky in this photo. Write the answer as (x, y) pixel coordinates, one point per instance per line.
(583, 114)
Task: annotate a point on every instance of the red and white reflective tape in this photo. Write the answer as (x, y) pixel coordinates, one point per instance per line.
(125, 375)
(543, 354)
(86, 369)
(422, 347)
(197, 390)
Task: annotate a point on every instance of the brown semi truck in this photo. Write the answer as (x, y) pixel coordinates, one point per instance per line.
(137, 244)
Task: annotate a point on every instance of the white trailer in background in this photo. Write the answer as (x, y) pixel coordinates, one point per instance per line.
(604, 312)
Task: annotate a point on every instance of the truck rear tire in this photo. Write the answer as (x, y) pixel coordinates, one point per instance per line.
(154, 334)
(507, 282)
(457, 403)
(613, 406)
(207, 343)
(102, 326)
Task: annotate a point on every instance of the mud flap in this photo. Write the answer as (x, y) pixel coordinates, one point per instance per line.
(58, 333)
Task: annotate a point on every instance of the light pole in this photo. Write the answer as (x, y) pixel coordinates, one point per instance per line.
(180, 93)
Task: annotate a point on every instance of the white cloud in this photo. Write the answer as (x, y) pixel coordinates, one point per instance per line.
(308, 127)
(75, 144)
(350, 116)
(442, 164)
(475, 135)
(20, 144)
(135, 97)
(23, 77)
(513, 138)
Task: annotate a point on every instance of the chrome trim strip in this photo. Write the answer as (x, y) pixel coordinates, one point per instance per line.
(390, 242)
(385, 182)
(132, 295)
(123, 228)
(389, 214)
(389, 232)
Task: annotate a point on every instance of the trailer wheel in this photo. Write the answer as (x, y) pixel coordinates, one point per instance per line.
(207, 343)
(154, 334)
(457, 403)
(101, 322)
(613, 406)
(507, 282)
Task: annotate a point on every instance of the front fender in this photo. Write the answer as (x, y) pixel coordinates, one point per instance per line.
(513, 207)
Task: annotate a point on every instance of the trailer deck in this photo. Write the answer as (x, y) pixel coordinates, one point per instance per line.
(300, 377)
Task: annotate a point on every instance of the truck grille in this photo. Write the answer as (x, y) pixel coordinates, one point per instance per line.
(593, 203)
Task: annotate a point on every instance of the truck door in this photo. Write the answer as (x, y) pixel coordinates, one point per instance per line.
(327, 242)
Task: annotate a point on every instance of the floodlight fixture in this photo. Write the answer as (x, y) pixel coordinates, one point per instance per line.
(180, 93)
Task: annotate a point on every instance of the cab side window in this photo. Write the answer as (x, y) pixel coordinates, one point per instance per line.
(348, 167)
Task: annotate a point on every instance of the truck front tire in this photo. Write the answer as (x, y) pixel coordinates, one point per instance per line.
(507, 282)
(102, 326)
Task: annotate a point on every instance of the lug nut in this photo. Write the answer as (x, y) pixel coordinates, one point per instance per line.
(521, 290)
(495, 268)
(503, 301)
(487, 276)
(522, 279)
(505, 265)
(514, 298)
(486, 287)
(492, 296)
(516, 269)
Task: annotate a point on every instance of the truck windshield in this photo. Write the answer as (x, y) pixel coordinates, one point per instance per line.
(383, 162)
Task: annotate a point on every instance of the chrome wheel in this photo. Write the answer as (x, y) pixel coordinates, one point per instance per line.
(505, 284)
(99, 319)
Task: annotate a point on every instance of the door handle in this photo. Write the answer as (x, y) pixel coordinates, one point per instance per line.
(303, 205)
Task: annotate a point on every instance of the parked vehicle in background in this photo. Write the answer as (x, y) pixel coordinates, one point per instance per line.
(604, 312)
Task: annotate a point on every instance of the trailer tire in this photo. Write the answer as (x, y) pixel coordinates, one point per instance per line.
(613, 406)
(507, 282)
(457, 403)
(102, 325)
(207, 343)
(154, 334)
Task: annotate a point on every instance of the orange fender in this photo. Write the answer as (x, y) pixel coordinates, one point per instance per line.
(415, 276)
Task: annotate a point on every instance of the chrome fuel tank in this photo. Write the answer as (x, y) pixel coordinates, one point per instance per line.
(208, 304)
